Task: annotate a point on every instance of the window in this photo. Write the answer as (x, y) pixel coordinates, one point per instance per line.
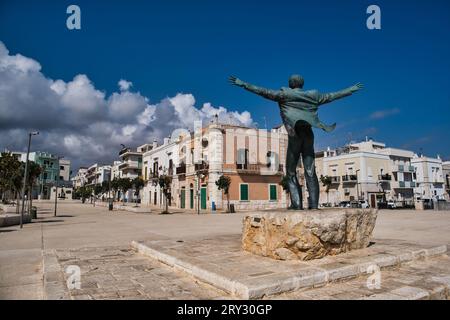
(272, 192)
(61, 167)
(243, 194)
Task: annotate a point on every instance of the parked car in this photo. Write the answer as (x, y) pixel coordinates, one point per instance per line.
(382, 205)
(391, 204)
(364, 204)
(344, 204)
(354, 204)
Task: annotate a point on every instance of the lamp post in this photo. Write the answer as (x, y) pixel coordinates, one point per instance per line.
(25, 176)
(357, 185)
(56, 186)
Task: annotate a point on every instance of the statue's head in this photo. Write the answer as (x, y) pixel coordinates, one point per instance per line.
(296, 81)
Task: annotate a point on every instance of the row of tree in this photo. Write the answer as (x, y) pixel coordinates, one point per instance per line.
(11, 178)
(116, 185)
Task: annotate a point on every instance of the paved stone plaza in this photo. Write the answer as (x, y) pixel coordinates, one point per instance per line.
(33, 260)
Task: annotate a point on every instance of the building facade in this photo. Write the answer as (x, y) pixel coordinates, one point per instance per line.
(430, 179)
(446, 176)
(367, 171)
(252, 158)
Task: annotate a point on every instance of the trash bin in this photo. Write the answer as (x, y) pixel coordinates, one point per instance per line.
(232, 208)
(33, 212)
(110, 205)
(213, 206)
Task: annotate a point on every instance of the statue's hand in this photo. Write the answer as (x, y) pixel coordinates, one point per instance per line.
(235, 81)
(356, 87)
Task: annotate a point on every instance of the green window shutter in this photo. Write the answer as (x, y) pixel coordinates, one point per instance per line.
(244, 192)
(273, 192)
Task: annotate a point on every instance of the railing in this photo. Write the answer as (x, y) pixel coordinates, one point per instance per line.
(180, 170)
(406, 184)
(404, 168)
(201, 166)
(335, 179)
(349, 178)
(384, 177)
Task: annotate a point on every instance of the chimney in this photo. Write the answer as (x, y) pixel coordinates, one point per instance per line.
(155, 143)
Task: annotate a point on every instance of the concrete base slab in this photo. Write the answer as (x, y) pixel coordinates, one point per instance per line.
(221, 262)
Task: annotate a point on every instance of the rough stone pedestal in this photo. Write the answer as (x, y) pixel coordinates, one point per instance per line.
(307, 235)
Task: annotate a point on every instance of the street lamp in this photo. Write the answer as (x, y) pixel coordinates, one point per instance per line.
(357, 185)
(56, 185)
(25, 176)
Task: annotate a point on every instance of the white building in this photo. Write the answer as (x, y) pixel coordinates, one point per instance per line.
(159, 159)
(97, 174)
(430, 180)
(446, 175)
(79, 180)
(64, 170)
(367, 171)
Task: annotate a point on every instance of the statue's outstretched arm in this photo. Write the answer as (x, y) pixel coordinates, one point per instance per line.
(274, 95)
(329, 97)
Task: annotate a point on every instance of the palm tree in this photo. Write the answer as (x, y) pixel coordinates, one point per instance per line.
(224, 183)
(326, 182)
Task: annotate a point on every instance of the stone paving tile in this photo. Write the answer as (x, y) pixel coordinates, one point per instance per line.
(405, 282)
(120, 273)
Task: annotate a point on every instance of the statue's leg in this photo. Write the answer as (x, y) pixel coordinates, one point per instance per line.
(308, 157)
(292, 157)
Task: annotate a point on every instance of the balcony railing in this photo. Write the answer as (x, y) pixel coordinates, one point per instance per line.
(180, 170)
(404, 168)
(384, 177)
(349, 178)
(201, 166)
(258, 168)
(335, 179)
(406, 184)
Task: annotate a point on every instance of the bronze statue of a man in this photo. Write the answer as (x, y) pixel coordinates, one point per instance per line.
(298, 110)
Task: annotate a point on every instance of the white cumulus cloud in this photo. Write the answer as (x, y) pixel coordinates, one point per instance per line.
(81, 122)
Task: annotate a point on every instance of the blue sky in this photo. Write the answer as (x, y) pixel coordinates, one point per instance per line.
(165, 48)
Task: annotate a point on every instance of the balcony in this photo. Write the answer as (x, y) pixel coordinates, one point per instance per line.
(181, 169)
(263, 169)
(201, 166)
(405, 184)
(131, 165)
(350, 178)
(384, 177)
(404, 168)
(335, 180)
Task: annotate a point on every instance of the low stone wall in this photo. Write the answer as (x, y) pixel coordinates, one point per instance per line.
(130, 208)
(306, 235)
(7, 220)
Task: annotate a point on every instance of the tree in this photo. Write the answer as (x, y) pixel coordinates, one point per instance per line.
(138, 184)
(125, 184)
(106, 186)
(115, 186)
(34, 171)
(164, 182)
(10, 171)
(224, 183)
(84, 192)
(326, 182)
(98, 189)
